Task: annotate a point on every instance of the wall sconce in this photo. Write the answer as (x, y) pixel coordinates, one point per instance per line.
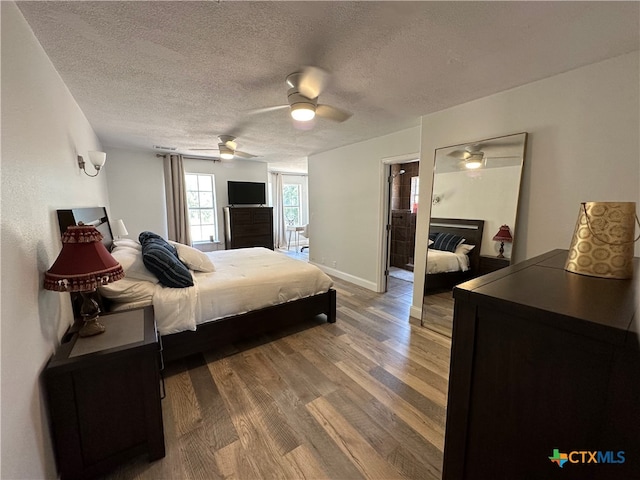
(96, 158)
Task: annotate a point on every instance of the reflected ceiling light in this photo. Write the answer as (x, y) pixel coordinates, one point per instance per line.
(303, 112)
(97, 160)
(474, 161)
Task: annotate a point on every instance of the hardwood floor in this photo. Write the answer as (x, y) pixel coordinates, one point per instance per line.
(362, 398)
(438, 308)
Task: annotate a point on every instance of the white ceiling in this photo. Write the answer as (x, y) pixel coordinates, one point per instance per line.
(180, 73)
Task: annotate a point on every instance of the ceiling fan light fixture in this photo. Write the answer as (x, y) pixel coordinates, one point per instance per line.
(472, 164)
(225, 152)
(303, 112)
(474, 161)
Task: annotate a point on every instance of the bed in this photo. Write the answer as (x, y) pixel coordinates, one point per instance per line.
(446, 269)
(224, 306)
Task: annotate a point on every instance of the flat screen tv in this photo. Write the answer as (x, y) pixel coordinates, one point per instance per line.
(246, 193)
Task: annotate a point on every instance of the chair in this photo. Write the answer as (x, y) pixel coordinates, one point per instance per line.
(305, 234)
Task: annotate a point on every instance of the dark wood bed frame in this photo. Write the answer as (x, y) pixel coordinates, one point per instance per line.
(472, 231)
(220, 332)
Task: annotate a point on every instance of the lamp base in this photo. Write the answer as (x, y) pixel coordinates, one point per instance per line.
(501, 251)
(89, 312)
(91, 327)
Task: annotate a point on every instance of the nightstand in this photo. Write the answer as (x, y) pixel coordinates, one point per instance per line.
(104, 395)
(491, 264)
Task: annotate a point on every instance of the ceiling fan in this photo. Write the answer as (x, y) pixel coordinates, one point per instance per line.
(473, 156)
(227, 147)
(305, 87)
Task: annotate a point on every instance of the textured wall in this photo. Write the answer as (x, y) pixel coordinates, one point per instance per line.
(43, 130)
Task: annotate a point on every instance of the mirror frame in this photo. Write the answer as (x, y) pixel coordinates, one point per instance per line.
(458, 226)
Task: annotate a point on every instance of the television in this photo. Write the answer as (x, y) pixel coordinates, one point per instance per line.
(246, 193)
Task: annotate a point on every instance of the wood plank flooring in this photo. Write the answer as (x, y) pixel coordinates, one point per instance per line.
(438, 308)
(362, 398)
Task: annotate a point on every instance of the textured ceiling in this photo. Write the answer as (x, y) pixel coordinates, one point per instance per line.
(180, 73)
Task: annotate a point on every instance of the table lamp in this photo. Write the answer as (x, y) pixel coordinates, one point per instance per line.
(119, 230)
(503, 235)
(82, 265)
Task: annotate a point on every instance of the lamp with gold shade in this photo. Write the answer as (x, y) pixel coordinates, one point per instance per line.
(82, 265)
(503, 235)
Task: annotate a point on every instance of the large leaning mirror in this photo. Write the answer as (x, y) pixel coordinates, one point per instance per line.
(475, 197)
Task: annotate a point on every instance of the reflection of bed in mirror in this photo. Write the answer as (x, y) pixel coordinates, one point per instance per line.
(445, 268)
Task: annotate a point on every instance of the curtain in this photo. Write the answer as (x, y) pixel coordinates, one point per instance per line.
(175, 190)
(279, 232)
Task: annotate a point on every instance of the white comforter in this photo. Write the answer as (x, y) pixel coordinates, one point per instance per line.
(439, 261)
(244, 280)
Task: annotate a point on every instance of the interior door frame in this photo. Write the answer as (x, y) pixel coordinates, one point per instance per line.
(384, 247)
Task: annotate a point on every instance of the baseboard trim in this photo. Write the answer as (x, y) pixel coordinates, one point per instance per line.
(361, 282)
(415, 312)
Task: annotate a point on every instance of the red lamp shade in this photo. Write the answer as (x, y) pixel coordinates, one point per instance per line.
(503, 235)
(83, 264)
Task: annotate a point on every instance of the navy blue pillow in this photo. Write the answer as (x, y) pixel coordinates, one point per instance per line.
(147, 237)
(432, 236)
(447, 242)
(161, 259)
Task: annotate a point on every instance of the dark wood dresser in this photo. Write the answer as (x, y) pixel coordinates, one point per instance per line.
(248, 227)
(544, 364)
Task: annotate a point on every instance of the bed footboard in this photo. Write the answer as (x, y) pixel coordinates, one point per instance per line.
(232, 329)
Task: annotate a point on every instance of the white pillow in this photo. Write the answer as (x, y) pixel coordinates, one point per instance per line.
(464, 248)
(132, 264)
(128, 290)
(193, 258)
(127, 242)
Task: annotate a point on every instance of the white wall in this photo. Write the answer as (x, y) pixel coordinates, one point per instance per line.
(583, 145)
(136, 190)
(136, 187)
(43, 130)
(346, 207)
(489, 194)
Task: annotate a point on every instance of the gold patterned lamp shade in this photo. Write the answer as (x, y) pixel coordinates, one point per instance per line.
(82, 265)
(602, 244)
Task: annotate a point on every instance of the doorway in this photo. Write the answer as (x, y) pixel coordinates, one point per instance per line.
(403, 200)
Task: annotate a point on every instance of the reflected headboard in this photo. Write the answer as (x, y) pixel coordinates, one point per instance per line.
(471, 230)
(95, 216)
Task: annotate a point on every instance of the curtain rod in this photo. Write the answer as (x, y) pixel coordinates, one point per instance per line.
(290, 173)
(214, 159)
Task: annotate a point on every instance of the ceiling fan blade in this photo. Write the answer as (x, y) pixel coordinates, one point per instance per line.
(458, 154)
(244, 154)
(203, 149)
(332, 113)
(267, 109)
(312, 81)
(231, 144)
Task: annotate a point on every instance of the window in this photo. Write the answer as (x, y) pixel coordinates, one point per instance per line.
(415, 189)
(201, 201)
(291, 203)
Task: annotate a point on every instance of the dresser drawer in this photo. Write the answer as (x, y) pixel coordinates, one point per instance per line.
(242, 230)
(262, 216)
